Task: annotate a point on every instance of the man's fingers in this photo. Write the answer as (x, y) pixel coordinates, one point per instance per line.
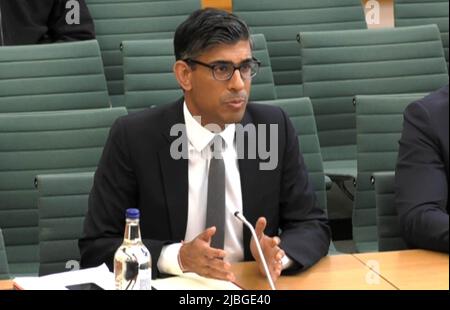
(199, 257)
(212, 253)
(275, 270)
(279, 255)
(276, 266)
(218, 269)
(275, 241)
(207, 234)
(260, 226)
(219, 264)
(219, 275)
(276, 273)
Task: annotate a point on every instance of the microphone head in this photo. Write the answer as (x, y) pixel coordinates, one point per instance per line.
(241, 218)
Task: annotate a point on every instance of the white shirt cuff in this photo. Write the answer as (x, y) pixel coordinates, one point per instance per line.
(168, 260)
(286, 262)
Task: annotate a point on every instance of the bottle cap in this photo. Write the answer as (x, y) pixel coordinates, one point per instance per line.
(132, 214)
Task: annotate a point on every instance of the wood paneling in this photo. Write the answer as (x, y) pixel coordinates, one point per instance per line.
(221, 4)
(379, 13)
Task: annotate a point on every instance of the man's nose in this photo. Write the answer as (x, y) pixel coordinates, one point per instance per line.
(236, 82)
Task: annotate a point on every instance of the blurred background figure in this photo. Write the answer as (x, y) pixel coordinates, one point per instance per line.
(421, 176)
(34, 22)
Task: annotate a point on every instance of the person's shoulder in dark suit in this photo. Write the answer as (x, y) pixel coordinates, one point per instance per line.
(433, 111)
(40, 22)
(422, 172)
(152, 124)
(264, 113)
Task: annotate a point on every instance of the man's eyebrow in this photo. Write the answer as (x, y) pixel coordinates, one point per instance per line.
(221, 61)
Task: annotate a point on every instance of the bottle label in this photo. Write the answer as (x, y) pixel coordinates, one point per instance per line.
(133, 268)
(145, 279)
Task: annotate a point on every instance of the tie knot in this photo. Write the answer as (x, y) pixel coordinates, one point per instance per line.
(217, 145)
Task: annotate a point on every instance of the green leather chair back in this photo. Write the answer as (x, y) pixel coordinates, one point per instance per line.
(379, 123)
(389, 230)
(120, 20)
(4, 270)
(62, 205)
(51, 77)
(423, 12)
(263, 86)
(150, 81)
(281, 20)
(301, 115)
(337, 65)
(42, 143)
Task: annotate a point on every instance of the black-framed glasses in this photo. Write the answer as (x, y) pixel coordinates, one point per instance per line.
(224, 70)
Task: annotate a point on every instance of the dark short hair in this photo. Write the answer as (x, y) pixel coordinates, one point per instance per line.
(207, 28)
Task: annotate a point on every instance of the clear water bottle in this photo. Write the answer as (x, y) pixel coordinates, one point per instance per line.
(132, 261)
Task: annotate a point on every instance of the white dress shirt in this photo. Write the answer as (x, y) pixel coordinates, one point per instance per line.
(199, 139)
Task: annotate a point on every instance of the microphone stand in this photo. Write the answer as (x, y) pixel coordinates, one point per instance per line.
(258, 246)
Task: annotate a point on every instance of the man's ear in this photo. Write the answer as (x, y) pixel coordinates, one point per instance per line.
(183, 74)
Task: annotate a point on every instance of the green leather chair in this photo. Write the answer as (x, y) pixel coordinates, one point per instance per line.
(62, 205)
(281, 20)
(337, 65)
(379, 123)
(301, 114)
(4, 270)
(120, 20)
(389, 230)
(149, 79)
(42, 143)
(51, 77)
(422, 12)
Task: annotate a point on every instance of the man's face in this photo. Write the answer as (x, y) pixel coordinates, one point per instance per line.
(219, 102)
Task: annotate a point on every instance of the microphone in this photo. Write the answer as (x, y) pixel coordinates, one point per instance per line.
(258, 246)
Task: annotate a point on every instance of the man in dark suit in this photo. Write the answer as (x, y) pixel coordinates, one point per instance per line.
(141, 168)
(421, 175)
(36, 22)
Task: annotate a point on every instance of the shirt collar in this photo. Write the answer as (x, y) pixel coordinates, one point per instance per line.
(200, 137)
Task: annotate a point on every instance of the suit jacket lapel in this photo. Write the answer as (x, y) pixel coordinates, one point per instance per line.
(175, 176)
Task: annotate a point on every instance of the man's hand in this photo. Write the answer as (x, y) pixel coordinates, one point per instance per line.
(199, 257)
(270, 248)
